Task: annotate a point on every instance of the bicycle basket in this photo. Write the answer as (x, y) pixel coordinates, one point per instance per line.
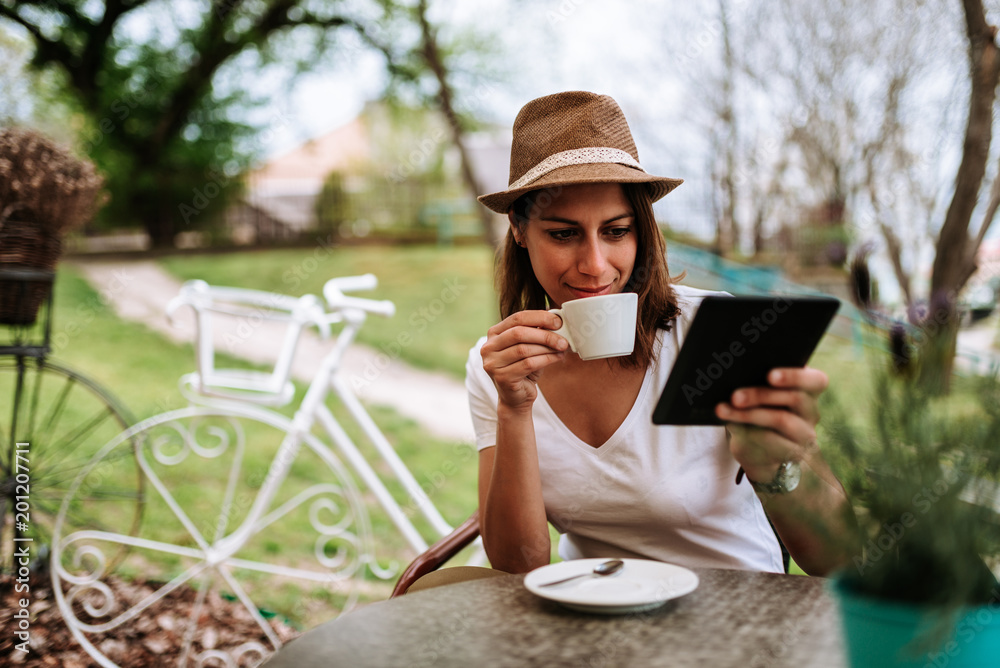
(23, 246)
(246, 311)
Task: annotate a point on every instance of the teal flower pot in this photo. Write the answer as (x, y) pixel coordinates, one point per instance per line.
(887, 634)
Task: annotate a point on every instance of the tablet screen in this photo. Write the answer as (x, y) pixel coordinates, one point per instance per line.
(734, 342)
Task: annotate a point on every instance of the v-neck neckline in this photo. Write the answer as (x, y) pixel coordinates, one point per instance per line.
(615, 437)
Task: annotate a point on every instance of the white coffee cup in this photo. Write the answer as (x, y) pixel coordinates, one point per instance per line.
(601, 326)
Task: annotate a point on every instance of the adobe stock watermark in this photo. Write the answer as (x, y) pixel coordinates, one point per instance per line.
(791, 634)
(710, 32)
(250, 322)
(22, 546)
(455, 634)
(419, 320)
(966, 631)
(606, 647)
(120, 110)
(565, 9)
(592, 494)
(890, 535)
(418, 157)
(752, 330)
(303, 269)
(423, 150)
(217, 180)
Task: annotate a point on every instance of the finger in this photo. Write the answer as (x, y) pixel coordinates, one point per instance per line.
(530, 318)
(784, 422)
(527, 339)
(752, 445)
(806, 379)
(797, 401)
(523, 342)
(526, 367)
(521, 352)
(760, 451)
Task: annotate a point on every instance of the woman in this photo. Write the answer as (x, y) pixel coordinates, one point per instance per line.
(571, 442)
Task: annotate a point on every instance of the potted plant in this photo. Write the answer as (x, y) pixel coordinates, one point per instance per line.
(921, 471)
(44, 192)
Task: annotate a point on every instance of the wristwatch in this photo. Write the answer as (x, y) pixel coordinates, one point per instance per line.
(786, 479)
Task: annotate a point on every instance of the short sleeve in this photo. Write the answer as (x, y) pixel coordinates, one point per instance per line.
(483, 398)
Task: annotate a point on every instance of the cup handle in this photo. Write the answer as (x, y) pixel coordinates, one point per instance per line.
(563, 331)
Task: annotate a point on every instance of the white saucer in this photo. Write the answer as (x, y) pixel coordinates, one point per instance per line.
(642, 585)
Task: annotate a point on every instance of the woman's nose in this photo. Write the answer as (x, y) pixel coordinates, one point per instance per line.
(592, 260)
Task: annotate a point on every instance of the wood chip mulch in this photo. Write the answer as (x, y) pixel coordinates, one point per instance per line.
(154, 639)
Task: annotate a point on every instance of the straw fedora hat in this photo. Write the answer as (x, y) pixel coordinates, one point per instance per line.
(568, 138)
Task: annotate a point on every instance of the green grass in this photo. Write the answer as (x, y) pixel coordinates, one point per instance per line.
(443, 296)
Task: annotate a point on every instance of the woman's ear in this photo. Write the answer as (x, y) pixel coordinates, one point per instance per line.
(515, 229)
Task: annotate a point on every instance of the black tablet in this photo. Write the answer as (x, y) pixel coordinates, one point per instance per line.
(734, 342)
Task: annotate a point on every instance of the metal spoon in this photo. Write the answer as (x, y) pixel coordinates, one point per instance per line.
(610, 567)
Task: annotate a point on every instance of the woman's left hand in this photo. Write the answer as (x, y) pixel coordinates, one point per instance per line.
(775, 424)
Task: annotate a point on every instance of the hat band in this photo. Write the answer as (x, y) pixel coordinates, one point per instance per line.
(576, 156)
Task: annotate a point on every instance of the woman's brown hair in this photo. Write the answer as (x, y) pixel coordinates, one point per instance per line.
(519, 290)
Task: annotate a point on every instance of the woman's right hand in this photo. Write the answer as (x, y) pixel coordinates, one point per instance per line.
(516, 351)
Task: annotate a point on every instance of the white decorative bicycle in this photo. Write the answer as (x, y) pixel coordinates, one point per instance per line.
(242, 502)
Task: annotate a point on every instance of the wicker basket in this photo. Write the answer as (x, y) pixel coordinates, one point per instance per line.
(24, 246)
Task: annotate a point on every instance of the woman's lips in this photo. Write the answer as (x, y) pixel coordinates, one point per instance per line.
(580, 293)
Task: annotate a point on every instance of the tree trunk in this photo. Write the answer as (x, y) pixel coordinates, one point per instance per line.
(432, 56)
(727, 230)
(953, 262)
(157, 218)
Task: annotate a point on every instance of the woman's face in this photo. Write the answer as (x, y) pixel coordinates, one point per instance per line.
(581, 244)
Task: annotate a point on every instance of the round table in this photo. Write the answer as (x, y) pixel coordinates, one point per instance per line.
(734, 618)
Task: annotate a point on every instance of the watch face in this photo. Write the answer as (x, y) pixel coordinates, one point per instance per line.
(788, 476)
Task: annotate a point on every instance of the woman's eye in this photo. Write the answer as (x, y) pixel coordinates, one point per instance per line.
(561, 235)
(619, 232)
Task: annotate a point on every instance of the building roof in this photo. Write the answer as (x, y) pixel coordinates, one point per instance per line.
(302, 170)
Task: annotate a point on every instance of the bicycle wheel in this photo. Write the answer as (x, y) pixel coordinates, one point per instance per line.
(52, 421)
(222, 575)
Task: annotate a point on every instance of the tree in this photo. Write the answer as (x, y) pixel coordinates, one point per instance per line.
(725, 142)
(431, 51)
(28, 97)
(866, 125)
(955, 256)
(161, 120)
(424, 71)
(162, 90)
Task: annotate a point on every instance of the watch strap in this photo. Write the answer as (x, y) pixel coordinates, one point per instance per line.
(786, 479)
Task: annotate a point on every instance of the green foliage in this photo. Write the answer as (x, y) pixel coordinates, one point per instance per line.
(164, 109)
(922, 473)
(150, 106)
(168, 178)
(29, 97)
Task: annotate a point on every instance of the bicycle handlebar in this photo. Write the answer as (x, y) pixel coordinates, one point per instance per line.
(335, 288)
(198, 294)
(353, 283)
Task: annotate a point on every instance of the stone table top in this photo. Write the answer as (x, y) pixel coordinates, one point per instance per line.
(734, 618)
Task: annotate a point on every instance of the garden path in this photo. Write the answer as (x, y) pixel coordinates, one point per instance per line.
(139, 290)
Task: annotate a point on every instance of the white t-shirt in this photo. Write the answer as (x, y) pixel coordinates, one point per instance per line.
(653, 492)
